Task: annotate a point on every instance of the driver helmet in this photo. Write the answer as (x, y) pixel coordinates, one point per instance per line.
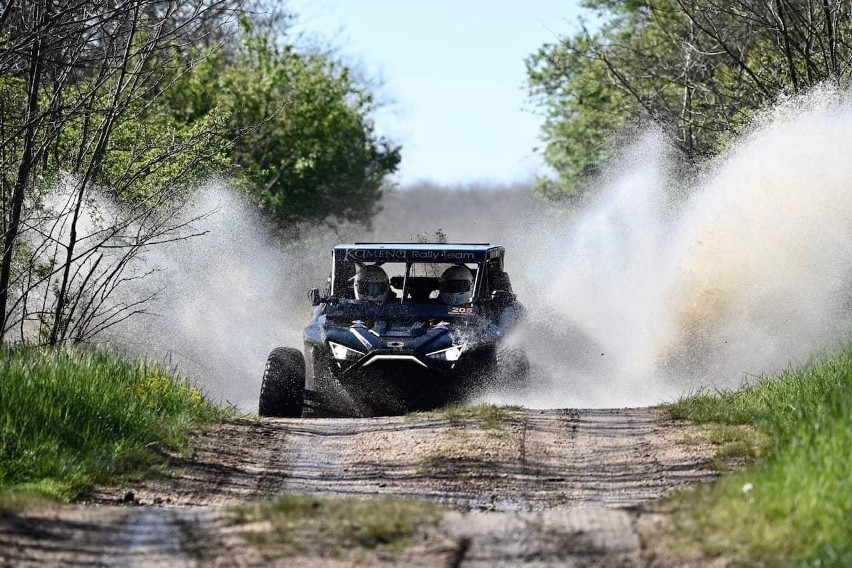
(371, 284)
(456, 285)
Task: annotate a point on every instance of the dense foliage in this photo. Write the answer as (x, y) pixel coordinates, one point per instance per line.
(696, 68)
(110, 113)
(300, 127)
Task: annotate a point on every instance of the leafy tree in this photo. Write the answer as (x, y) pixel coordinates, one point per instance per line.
(301, 126)
(135, 101)
(81, 83)
(697, 68)
(579, 113)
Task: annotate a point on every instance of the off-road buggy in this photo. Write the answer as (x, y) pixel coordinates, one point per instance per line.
(411, 351)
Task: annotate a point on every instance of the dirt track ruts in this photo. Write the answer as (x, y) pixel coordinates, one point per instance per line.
(555, 487)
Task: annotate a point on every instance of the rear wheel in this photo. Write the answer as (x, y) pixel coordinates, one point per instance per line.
(282, 393)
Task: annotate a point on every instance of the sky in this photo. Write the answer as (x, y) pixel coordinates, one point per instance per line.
(452, 75)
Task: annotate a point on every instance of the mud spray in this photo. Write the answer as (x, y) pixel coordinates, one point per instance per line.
(657, 287)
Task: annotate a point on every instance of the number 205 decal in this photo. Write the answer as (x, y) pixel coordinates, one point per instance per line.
(460, 310)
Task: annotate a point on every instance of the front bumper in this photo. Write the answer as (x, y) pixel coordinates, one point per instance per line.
(388, 360)
(393, 381)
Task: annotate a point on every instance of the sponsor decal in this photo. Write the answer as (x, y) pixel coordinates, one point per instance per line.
(461, 310)
(441, 255)
(412, 255)
(377, 254)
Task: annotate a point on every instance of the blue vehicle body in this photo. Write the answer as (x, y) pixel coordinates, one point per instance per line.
(411, 352)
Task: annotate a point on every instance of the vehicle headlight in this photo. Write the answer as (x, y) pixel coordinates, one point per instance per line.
(343, 353)
(450, 354)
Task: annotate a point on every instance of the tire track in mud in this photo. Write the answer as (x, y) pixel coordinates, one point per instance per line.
(149, 537)
(255, 466)
(535, 460)
(581, 476)
(152, 539)
(545, 487)
(174, 520)
(315, 454)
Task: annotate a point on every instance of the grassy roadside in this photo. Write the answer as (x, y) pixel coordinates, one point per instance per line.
(794, 507)
(72, 418)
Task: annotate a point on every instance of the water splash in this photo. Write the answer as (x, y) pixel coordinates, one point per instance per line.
(661, 284)
(228, 297)
(671, 284)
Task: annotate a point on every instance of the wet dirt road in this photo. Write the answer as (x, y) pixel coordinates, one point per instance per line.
(555, 487)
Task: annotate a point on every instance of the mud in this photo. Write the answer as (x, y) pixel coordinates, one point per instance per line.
(556, 487)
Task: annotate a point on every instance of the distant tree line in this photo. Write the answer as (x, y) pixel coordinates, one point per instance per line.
(697, 68)
(130, 104)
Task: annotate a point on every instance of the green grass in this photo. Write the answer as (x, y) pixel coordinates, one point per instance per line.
(325, 525)
(489, 416)
(793, 507)
(69, 419)
(736, 444)
(486, 416)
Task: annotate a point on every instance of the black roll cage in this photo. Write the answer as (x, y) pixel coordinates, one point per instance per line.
(348, 258)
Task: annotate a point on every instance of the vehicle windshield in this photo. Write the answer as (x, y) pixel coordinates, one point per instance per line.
(409, 282)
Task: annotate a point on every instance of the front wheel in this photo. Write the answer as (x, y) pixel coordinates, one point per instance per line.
(282, 392)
